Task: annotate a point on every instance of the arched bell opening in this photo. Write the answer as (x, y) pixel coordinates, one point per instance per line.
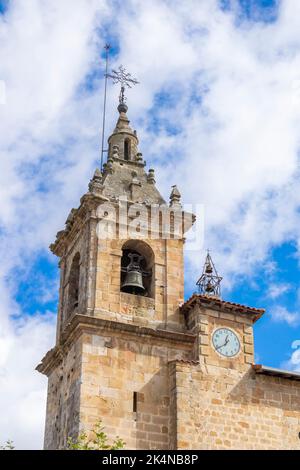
(73, 297)
(137, 269)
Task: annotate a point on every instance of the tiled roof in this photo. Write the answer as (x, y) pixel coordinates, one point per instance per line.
(220, 304)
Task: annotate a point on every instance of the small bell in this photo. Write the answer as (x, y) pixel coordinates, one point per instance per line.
(209, 287)
(209, 269)
(133, 283)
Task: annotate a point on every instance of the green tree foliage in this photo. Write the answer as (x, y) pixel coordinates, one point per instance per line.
(98, 442)
(9, 445)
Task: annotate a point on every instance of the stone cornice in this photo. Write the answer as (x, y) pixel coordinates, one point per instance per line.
(83, 323)
(50, 360)
(88, 202)
(130, 163)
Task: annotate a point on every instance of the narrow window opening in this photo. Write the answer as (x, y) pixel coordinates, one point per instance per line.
(134, 406)
(126, 149)
(134, 402)
(73, 300)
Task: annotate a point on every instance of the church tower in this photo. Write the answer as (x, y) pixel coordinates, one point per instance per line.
(121, 285)
(158, 372)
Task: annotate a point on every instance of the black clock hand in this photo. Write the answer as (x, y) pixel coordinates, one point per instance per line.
(226, 341)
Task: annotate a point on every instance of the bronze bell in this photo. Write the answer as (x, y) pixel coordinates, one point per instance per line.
(208, 269)
(133, 283)
(209, 287)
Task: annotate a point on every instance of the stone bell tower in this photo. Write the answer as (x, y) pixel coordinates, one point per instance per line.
(159, 373)
(121, 285)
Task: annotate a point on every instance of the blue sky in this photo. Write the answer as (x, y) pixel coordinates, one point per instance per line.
(3, 6)
(253, 10)
(218, 109)
(273, 340)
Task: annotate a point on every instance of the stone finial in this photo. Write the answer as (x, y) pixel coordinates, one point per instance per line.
(96, 185)
(151, 176)
(109, 166)
(175, 197)
(115, 151)
(139, 157)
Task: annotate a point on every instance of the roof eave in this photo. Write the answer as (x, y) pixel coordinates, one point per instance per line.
(219, 304)
(272, 371)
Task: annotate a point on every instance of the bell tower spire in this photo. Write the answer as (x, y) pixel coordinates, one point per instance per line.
(123, 142)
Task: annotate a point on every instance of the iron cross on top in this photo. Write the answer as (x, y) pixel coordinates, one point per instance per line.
(124, 78)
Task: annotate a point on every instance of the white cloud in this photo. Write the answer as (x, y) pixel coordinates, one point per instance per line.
(282, 314)
(22, 389)
(2, 92)
(277, 290)
(294, 361)
(236, 152)
(48, 139)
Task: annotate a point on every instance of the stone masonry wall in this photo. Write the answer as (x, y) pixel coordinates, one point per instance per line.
(113, 368)
(62, 416)
(220, 408)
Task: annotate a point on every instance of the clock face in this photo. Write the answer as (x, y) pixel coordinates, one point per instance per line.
(226, 342)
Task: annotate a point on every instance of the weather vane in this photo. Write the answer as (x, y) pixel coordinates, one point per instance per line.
(124, 78)
(118, 76)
